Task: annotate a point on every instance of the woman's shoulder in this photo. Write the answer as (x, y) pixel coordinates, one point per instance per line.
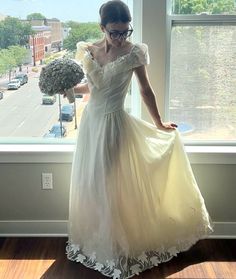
(140, 47)
(98, 43)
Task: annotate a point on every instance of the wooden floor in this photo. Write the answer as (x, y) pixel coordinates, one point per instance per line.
(34, 258)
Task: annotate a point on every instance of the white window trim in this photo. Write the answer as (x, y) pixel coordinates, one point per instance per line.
(137, 38)
(60, 154)
(63, 153)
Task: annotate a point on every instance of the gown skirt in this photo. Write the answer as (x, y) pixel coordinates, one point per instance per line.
(134, 201)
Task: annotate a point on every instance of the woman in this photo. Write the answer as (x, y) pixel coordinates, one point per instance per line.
(134, 202)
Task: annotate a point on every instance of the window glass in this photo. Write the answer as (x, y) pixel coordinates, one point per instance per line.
(206, 7)
(202, 81)
(33, 33)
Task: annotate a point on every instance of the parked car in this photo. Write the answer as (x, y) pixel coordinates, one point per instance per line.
(1, 95)
(67, 112)
(13, 84)
(22, 77)
(48, 99)
(55, 131)
(78, 96)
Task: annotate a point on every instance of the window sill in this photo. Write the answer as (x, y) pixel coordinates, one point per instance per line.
(63, 153)
(36, 153)
(211, 154)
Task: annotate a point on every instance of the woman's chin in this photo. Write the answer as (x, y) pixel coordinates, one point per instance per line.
(118, 43)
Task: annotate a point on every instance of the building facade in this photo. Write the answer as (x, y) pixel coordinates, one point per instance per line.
(40, 43)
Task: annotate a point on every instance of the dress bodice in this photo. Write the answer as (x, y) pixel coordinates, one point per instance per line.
(109, 84)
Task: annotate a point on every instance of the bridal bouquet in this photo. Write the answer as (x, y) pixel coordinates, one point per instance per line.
(60, 75)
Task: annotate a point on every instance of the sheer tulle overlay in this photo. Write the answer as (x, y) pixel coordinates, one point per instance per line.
(134, 201)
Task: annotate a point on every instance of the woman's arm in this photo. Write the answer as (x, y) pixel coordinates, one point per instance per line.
(81, 88)
(149, 98)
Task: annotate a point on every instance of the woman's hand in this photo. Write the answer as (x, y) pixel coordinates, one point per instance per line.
(63, 93)
(80, 88)
(167, 126)
(69, 94)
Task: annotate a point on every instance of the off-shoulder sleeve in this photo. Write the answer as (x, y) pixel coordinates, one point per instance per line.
(83, 56)
(140, 55)
(81, 51)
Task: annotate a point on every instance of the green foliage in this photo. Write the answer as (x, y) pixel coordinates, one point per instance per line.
(14, 32)
(72, 24)
(81, 32)
(35, 16)
(7, 61)
(18, 53)
(11, 58)
(200, 6)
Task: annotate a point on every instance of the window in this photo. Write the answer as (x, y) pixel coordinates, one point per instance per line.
(202, 97)
(43, 31)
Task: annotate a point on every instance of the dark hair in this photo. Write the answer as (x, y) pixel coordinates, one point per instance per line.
(114, 11)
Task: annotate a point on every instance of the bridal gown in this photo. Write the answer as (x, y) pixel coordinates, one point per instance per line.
(134, 202)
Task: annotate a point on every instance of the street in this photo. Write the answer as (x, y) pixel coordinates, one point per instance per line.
(23, 115)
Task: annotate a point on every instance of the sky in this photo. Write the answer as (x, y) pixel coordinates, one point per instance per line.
(64, 10)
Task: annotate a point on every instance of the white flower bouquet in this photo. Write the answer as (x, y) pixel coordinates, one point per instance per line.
(60, 75)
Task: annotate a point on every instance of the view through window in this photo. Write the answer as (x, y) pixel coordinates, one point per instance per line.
(202, 69)
(33, 33)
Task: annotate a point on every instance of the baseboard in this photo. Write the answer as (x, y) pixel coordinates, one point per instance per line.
(224, 230)
(58, 228)
(38, 228)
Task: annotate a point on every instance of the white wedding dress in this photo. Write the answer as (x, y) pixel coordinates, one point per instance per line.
(134, 202)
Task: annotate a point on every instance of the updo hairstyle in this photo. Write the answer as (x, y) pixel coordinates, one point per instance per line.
(114, 11)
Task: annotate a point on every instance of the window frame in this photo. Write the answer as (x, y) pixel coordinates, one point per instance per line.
(192, 20)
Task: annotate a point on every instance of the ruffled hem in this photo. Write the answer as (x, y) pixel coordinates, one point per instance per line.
(127, 267)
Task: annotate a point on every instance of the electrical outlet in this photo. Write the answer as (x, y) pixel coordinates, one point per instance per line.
(47, 181)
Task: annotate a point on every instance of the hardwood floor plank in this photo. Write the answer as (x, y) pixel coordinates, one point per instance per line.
(45, 258)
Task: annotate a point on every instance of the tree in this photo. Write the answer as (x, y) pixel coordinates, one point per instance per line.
(81, 32)
(200, 6)
(35, 16)
(71, 24)
(7, 61)
(10, 58)
(19, 54)
(14, 32)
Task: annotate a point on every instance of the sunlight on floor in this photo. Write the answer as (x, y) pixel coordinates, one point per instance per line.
(23, 268)
(206, 270)
(199, 272)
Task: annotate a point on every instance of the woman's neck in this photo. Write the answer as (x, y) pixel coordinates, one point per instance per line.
(112, 49)
(107, 46)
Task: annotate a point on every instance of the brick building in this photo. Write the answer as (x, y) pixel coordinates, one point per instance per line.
(40, 43)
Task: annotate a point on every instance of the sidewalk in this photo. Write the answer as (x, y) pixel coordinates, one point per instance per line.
(71, 131)
(3, 82)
